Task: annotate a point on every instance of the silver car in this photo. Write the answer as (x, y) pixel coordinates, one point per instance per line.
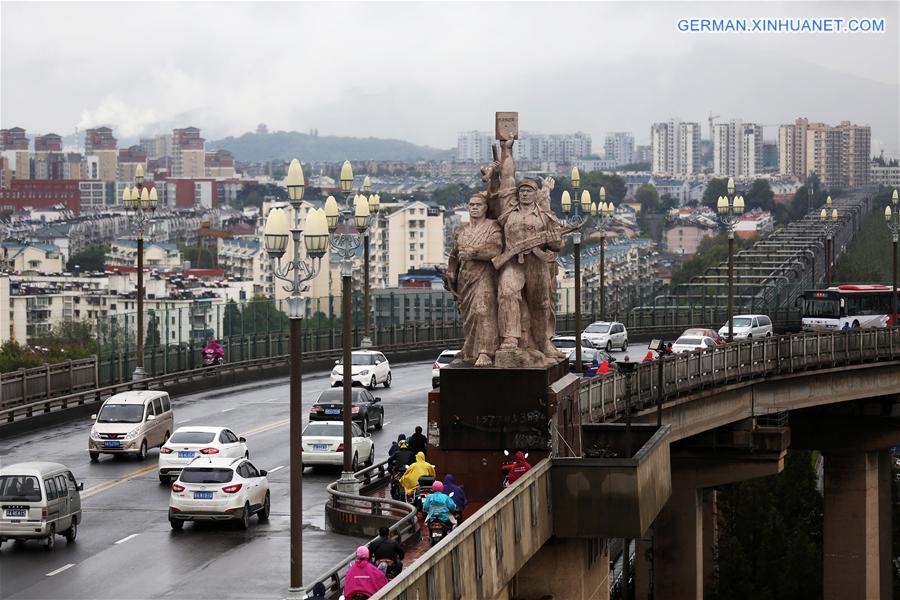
(39, 500)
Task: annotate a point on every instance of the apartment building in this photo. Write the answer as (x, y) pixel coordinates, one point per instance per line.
(619, 147)
(31, 257)
(823, 153)
(188, 153)
(856, 146)
(839, 155)
(792, 148)
(38, 193)
(99, 142)
(247, 260)
(475, 146)
(157, 255)
(885, 175)
(129, 160)
(14, 147)
(220, 164)
(675, 147)
(405, 237)
(737, 149)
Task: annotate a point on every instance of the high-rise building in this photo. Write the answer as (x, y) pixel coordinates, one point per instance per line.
(643, 154)
(405, 236)
(188, 153)
(838, 155)
(823, 153)
(220, 164)
(474, 146)
(129, 160)
(619, 147)
(856, 147)
(48, 160)
(792, 148)
(737, 149)
(675, 147)
(100, 142)
(14, 147)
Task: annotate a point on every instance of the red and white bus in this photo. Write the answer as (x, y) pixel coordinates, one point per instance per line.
(847, 306)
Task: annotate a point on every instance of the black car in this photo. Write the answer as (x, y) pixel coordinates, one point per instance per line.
(587, 358)
(367, 409)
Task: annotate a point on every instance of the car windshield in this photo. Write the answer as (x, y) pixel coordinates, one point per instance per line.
(446, 357)
(741, 322)
(597, 328)
(192, 437)
(688, 341)
(700, 332)
(206, 475)
(324, 430)
(336, 396)
(19, 488)
(563, 343)
(121, 413)
(360, 359)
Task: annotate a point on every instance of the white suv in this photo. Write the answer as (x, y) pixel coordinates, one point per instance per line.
(607, 335)
(367, 368)
(219, 489)
(748, 326)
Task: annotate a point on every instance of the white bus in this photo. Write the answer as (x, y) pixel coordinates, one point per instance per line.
(847, 307)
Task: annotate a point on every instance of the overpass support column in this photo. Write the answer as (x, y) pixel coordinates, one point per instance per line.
(678, 545)
(566, 568)
(857, 528)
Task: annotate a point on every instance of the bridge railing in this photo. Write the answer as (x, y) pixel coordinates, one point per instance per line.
(406, 527)
(47, 381)
(603, 396)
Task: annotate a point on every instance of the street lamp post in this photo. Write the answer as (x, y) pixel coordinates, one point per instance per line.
(374, 201)
(577, 219)
(729, 208)
(352, 216)
(296, 273)
(605, 212)
(829, 217)
(141, 203)
(892, 217)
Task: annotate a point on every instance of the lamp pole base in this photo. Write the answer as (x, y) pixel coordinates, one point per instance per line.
(138, 374)
(348, 484)
(296, 594)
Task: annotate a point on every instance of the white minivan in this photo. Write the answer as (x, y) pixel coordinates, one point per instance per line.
(130, 423)
(748, 326)
(39, 500)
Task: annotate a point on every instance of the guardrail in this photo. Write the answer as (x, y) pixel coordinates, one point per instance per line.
(406, 528)
(212, 374)
(603, 396)
(49, 380)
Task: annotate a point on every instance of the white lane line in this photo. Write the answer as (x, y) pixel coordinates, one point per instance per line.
(60, 570)
(385, 423)
(275, 469)
(228, 409)
(125, 539)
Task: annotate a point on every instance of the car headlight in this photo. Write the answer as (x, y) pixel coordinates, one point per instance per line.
(364, 372)
(94, 432)
(133, 433)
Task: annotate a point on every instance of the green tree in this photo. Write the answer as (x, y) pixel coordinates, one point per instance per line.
(231, 320)
(714, 189)
(200, 256)
(868, 258)
(710, 252)
(648, 198)
(667, 202)
(91, 258)
(153, 337)
(253, 195)
(760, 195)
(14, 356)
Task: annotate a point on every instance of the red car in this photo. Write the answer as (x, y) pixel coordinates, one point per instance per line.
(710, 333)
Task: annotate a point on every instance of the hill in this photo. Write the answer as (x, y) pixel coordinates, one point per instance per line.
(285, 145)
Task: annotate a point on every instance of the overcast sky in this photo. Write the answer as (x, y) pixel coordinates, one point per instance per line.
(425, 71)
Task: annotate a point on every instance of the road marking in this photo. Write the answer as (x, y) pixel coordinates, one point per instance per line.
(60, 570)
(125, 539)
(275, 469)
(385, 423)
(228, 409)
(111, 483)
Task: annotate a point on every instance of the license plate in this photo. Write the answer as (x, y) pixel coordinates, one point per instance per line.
(437, 533)
(112, 444)
(320, 446)
(203, 495)
(185, 455)
(332, 411)
(12, 513)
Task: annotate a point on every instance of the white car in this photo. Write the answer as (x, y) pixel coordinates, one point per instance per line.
(322, 444)
(368, 368)
(689, 343)
(748, 326)
(187, 443)
(607, 335)
(442, 361)
(219, 489)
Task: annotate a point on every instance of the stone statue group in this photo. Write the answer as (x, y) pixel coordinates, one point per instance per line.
(502, 270)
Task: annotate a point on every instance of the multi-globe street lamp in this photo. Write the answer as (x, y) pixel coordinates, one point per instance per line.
(829, 217)
(892, 217)
(374, 201)
(296, 272)
(575, 218)
(605, 212)
(141, 203)
(730, 208)
(351, 217)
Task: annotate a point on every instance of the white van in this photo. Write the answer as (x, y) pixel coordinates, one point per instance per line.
(130, 423)
(39, 500)
(748, 326)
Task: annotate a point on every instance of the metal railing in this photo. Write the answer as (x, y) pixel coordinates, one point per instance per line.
(49, 380)
(603, 396)
(406, 528)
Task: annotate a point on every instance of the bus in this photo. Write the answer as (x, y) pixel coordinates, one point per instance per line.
(847, 306)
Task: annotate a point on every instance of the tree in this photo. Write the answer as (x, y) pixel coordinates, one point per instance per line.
(648, 198)
(199, 256)
(253, 195)
(760, 195)
(92, 258)
(231, 320)
(152, 338)
(710, 252)
(667, 202)
(714, 189)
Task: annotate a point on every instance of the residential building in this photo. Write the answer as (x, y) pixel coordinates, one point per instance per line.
(36, 193)
(6, 172)
(685, 238)
(159, 146)
(157, 255)
(756, 223)
(839, 155)
(856, 147)
(100, 142)
(14, 147)
(737, 149)
(888, 175)
(643, 154)
(474, 146)
(188, 153)
(220, 164)
(405, 237)
(675, 147)
(246, 259)
(129, 160)
(586, 165)
(32, 258)
(792, 148)
(823, 153)
(619, 147)
(97, 195)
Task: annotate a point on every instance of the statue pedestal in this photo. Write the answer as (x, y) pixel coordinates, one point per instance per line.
(477, 413)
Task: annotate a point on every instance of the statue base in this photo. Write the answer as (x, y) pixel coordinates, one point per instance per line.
(522, 358)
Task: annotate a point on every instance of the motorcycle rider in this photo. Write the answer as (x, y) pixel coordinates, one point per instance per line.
(384, 546)
(215, 349)
(418, 442)
(362, 576)
(438, 505)
(459, 495)
(402, 458)
(520, 467)
(420, 468)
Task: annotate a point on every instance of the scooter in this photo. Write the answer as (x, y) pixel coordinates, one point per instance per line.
(438, 530)
(211, 357)
(386, 566)
(421, 492)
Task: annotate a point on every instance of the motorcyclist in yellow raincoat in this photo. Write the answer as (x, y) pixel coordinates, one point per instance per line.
(420, 468)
